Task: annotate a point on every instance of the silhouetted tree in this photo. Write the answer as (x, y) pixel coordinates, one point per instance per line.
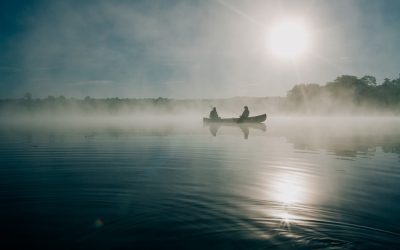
(28, 96)
(386, 81)
(369, 80)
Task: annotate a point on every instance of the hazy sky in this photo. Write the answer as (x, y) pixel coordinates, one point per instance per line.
(186, 49)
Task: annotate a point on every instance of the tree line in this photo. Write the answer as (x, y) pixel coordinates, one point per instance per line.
(346, 93)
(61, 105)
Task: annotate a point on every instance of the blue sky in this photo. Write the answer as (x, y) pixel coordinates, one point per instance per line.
(188, 49)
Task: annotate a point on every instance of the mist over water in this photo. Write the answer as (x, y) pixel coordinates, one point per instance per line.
(298, 182)
(103, 143)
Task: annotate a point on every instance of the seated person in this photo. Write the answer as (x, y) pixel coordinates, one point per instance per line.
(214, 114)
(245, 114)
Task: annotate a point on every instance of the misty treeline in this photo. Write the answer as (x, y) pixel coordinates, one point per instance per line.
(60, 105)
(346, 94)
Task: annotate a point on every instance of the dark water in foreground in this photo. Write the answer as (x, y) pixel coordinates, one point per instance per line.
(296, 184)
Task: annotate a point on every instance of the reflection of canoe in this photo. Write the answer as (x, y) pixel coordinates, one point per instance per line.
(252, 119)
(254, 125)
(214, 127)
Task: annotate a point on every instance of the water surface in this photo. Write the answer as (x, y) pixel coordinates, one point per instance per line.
(293, 184)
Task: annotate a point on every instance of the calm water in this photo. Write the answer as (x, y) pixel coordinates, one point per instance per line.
(294, 184)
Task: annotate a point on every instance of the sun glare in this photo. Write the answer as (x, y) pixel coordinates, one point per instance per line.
(288, 39)
(289, 189)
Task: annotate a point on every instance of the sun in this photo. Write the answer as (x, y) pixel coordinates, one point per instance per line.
(288, 39)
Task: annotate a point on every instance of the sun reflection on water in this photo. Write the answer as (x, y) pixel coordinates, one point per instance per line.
(285, 219)
(289, 189)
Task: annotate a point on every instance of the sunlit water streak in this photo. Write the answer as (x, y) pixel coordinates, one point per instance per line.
(126, 187)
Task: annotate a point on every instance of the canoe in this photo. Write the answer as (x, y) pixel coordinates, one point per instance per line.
(251, 119)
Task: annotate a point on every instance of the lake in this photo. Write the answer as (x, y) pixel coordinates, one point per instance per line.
(296, 183)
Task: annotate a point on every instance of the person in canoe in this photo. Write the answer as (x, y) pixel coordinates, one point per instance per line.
(245, 114)
(214, 114)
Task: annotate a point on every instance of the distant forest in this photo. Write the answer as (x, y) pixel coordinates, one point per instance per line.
(116, 106)
(346, 94)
